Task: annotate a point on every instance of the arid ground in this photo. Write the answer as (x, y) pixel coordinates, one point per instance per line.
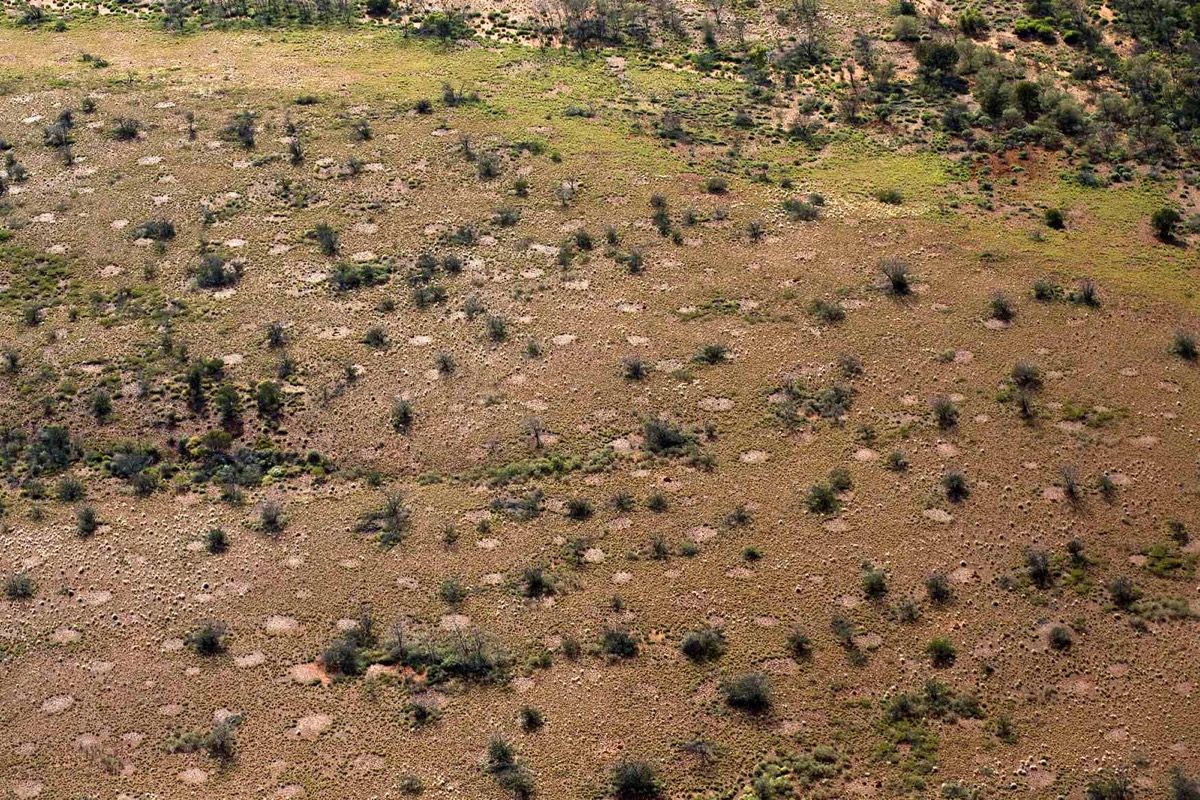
(389, 415)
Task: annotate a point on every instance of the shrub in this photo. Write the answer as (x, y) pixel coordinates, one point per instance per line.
(160, 230)
(1123, 591)
(86, 521)
(956, 486)
(840, 480)
(1061, 637)
(209, 639)
(945, 413)
(1001, 308)
(941, 652)
(1037, 567)
(375, 337)
(1109, 786)
(891, 197)
(342, 657)
(1046, 291)
(897, 461)
(874, 582)
(712, 354)
(536, 583)
(663, 437)
(1165, 221)
(716, 186)
(241, 129)
(821, 499)
(634, 368)
(506, 216)
(579, 508)
(1053, 217)
(214, 272)
(326, 238)
(270, 516)
(1183, 344)
(1026, 376)
(70, 489)
(801, 210)
(389, 521)
(1085, 294)
(705, 644)
(938, 588)
(531, 719)
(216, 541)
(618, 642)
(497, 328)
(799, 644)
(402, 415)
(126, 129)
(827, 312)
(1183, 787)
(635, 780)
(750, 693)
(896, 272)
(19, 587)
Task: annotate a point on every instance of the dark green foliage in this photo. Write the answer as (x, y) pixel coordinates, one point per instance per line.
(326, 238)
(750, 693)
(663, 437)
(1109, 786)
(827, 312)
(241, 129)
(531, 719)
(579, 508)
(896, 272)
(941, 652)
(821, 499)
(70, 489)
(712, 354)
(86, 521)
(874, 582)
(1124, 592)
(160, 230)
(897, 461)
(1085, 294)
(535, 583)
(618, 642)
(209, 638)
(389, 522)
(1183, 344)
(799, 644)
(705, 644)
(1165, 221)
(1001, 308)
(216, 541)
(891, 197)
(938, 588)
(214, 272)
(1182, 787)
(635, 780)
(126, 129)
(402, 415)
(1037, 567)
(1060, 637)
(19, 587)
(945, 413)
(1026, 376)
(1046, 291)
(956, 486)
